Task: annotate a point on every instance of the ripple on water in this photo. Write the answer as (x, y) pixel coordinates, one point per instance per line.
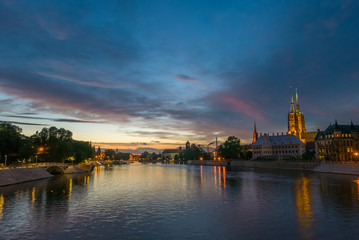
(182, 202)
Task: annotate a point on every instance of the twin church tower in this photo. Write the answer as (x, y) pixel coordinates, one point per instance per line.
(296, 123)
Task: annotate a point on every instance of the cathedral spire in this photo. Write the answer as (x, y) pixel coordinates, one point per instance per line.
(255, 134)
(296, 98)
(291, 101)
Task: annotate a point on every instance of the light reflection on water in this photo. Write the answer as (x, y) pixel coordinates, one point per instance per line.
(182, 202)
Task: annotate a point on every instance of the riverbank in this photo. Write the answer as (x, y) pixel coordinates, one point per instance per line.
(19, 175)
(350, 169)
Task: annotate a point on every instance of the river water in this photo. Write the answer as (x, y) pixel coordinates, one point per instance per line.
(182, 202)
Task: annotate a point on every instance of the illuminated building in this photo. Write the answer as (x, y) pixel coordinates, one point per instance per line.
(338, 142)
(170, 153)
(255, 134)
(277, 146)
(296, 123)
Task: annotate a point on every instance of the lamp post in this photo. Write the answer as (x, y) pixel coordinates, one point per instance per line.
(5, 159)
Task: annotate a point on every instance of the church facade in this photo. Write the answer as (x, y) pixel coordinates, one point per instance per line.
(296, 122)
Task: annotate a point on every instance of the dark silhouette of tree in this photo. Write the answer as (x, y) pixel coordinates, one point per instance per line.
(231, 148)
(55, 144)
(82, 150)
(10, 140)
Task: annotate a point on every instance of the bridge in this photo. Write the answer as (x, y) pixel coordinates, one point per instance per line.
(54, 168)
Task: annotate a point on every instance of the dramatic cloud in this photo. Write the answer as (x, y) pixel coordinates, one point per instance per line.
(177, 73)
(25, 123)
(184, 78)
(51, 119)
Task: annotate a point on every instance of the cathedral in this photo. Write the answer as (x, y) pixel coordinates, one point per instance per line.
(296, 123)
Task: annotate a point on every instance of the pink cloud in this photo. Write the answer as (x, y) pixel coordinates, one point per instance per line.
(317, 111)
(241, 106)
(185, 78)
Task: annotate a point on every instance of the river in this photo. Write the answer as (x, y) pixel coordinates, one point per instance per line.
(182, 202)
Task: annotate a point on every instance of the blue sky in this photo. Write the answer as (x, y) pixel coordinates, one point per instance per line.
(155, 74)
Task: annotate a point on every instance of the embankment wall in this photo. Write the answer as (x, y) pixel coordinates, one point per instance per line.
(18, 175)
(351, 169)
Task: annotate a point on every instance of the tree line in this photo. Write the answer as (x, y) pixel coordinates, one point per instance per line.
(48, 145)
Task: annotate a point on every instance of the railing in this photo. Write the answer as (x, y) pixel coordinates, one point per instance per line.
(31, 165)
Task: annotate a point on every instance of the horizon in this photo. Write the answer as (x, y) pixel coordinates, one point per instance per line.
(155, 74)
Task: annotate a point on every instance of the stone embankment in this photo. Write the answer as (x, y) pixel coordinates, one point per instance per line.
(351, 169)
(277, 165)
(338, 168)
(207, 162)
(18, 175)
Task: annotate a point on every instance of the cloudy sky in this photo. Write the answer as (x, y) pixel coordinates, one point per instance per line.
(154, 74)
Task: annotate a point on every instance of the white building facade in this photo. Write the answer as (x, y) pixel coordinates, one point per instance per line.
(277, 147)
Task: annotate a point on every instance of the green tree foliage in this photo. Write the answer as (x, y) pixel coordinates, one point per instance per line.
(308, 155)
(56, 143)
(110, 154)
(51, 144)
(27, 150)
(154, 156)
(145, 155)
(10, 139)
(122, 156)
(231, 148)
(82, 150)
(194, 152)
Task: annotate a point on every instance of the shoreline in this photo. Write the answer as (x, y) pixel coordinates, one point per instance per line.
(12, 176)
(347, 169)
(20, 175)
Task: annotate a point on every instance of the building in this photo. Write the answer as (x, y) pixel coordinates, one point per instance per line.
(296, 122)
(277, 147)
(255, 134)
(170, 154)
(338, 143)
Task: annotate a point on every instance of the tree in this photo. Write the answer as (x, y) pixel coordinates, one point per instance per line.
(154, 156)
(56, 144)
(231, 148)
(110, 154)
(27, 151)
(122, 156)
(145, 155)
(82, 150)
(10, 139)
(308, 155)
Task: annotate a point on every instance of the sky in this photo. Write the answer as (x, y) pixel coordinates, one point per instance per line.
(152, 74)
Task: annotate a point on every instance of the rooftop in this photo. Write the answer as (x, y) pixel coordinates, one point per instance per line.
(340, 128)
(277, 140)
(171, 151)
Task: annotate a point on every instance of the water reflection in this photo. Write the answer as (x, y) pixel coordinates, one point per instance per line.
(304, 210)
(179, 201)
(2, 201)
(33, 196)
